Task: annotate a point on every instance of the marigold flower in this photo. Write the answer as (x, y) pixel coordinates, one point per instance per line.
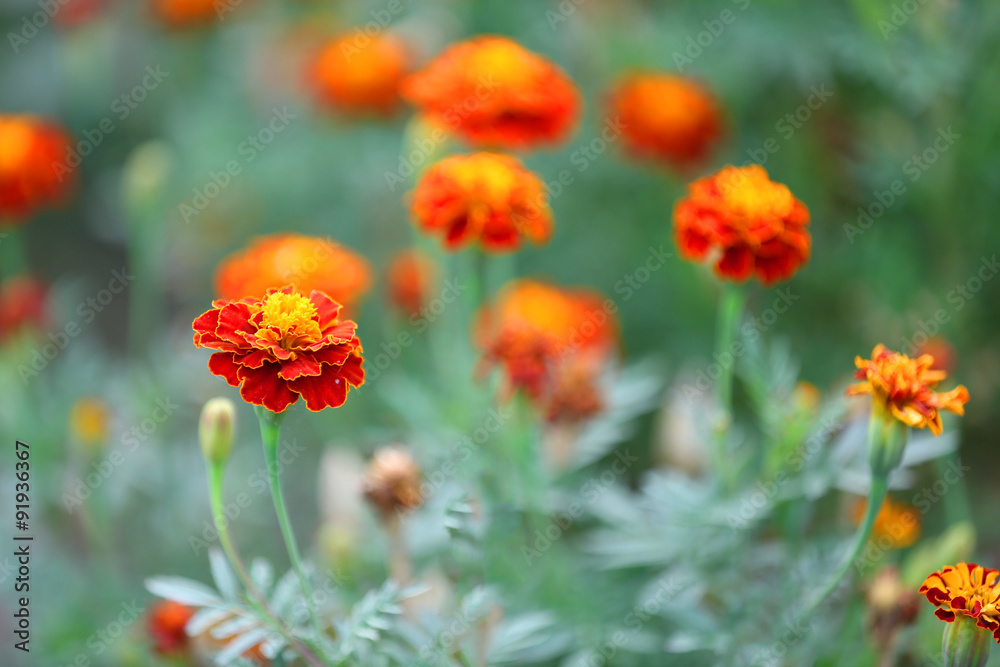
(897, 523)
(306, 262)
(183, 13)
(966, 589)
(283, 346)
(392, 481)
(892, 605)
(32, 171)
(575, 394)
(531, 327)
(903, 388)
(943, 352)
(494, 93)
(23, 306)
(485, 197)
(76, 12)
(356, 78)
(89, 421)
(165, 623)
(745, 223)
(666, 118)
(411, 277)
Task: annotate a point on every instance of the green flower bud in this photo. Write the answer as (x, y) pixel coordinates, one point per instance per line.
(215, 430)
(965, 644)
(887, 438)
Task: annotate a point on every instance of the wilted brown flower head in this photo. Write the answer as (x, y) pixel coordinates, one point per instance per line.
(392, 481)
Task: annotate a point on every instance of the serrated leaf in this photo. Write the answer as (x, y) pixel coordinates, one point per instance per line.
(241, 645)
(223, 575)
(205, 618)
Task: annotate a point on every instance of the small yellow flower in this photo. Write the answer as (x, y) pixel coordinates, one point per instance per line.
(89, 422)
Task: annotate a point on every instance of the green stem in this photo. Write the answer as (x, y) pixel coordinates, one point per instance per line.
(13, 256)
(215, 475)
(876, 496)
(727, 326)
(270, 433)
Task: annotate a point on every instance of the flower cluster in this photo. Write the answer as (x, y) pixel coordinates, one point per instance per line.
(903, 388)
(494, 93)
(306, 262)
(745, 223)
(666, 118)
(551, 343)
(32, 172)
(484, 198)
(283, 346)
(968, 590)
(361, 79)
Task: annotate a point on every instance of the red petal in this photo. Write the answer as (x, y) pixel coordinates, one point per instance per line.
(945, 615)
(328, 390)
(334, 355)
(224, 365)
(233, 323)
(300, 366)
(736, 263)
(204, 328)
(327, 309)
(262, 386)
(352, 370)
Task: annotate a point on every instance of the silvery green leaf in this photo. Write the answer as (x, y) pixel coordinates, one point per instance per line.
(261, 574)
(185, 591)
(205, 618)
(234, 626)
(240, 645)
(223, 575)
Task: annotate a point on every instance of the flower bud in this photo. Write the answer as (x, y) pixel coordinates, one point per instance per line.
(887, 438)
(215, 430)
(965, 644)
(392, 481)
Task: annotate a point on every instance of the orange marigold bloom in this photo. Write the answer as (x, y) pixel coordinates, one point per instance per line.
(903, 387)
(361, 79)
(944, 354)
(165, 623)
(485, 197)
(496, 94)
(532, 327)
(33, 173)
(667, 118)
(182, 13)
(744, 222)
(306, 262)
(22, 305)
(897, 523)
(966, 589)
(412, 277)
(283, 346)
(575, 394)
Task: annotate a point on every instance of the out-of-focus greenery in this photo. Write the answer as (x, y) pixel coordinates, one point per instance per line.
(888, 80)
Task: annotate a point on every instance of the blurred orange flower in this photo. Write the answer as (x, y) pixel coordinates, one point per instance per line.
(33, 173)
(532, 327)
(412, 277)
(942, 351)
(494, 93)
(76, 12)
(306, 262)
(485, 197)
(575, 393)
(165, 624)
(89, 421)
(897, 523)
(360, 77)
(22, 305)
(667, 118)
(281, 347)
(903, 388)
(183, 13)
(966, 589)
(745, 223)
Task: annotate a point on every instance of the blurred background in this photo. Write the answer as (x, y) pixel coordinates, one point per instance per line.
(880, 115)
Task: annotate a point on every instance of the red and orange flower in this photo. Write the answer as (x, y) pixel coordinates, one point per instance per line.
(903, 388)
(666, 118)
(306, 262)
(494, 93)
(361, 78)
(184, 13)
(33, 172)
(165, 623)
(896, 524)
(23, 306)
(533, 330)
(486, 198)
(411, 277)
(745, 223)
(283, 346)
(966, 589)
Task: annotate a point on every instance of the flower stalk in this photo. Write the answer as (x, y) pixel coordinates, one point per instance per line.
(270, 432)
(964, 644)
(727, 329)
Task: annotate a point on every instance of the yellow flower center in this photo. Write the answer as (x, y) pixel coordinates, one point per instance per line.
(292, 315)
(750, 192)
